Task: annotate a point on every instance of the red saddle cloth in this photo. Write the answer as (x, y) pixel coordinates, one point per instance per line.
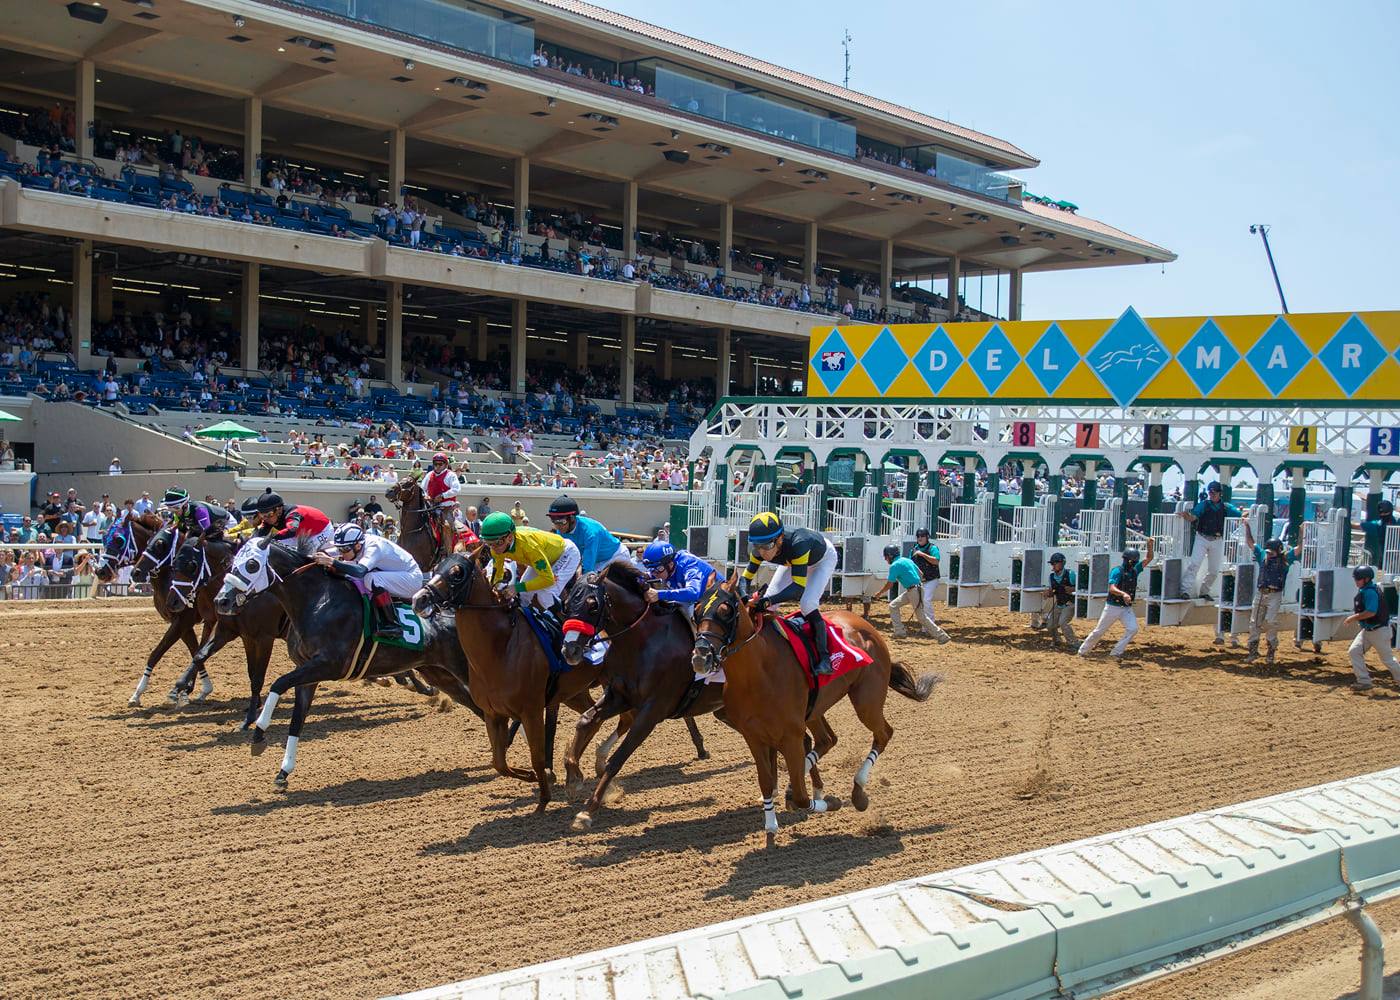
(844, 656)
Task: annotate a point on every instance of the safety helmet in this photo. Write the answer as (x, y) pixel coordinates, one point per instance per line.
(1214, 487)
(269, 502)
(1274, 545)
(1131, 555)
(921, 533)
(563, 506)
(496, 526)
(1363, 573)
(891, 553)
(765, 527)
(349, 536)
(249, 507)
(440, 457)
(1058, 557)
(175, 498)
(656, 554)
(1385, 508)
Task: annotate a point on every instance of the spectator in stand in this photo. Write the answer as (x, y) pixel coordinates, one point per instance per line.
(92, 524)
(115, 469)
(143, 506)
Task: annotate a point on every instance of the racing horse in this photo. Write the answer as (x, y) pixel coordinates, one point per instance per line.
(146, 544)
(647, 672)
(508, 670)
(327, 635)
(423, 532)
(766, 693)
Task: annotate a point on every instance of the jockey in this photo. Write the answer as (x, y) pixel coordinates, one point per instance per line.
(597, 546)
(387, 570)
(310, 527)
(805, 561)
(440, 486)
(547, 562)
(194, 516)
(684, 577)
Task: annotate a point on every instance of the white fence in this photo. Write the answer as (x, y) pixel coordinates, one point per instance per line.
(1030, 526)
(1170, 531)
(802, 510)
(1322, 541)
(900, 518)
(1098, 530)
(745, 504)
(965, 522)
(1390, 555)
(855, 515)
(1082, 919)
(701, 504)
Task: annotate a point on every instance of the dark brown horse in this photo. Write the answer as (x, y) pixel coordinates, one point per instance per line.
(646, 674)
(148, 546)
(423, 532)
(766, 694)
(508, 672)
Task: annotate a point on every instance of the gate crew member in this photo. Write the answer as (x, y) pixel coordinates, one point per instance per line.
(1273, 564)
(1122, 592)
(925, 558)
(1209, 518)
(805, 561)
(1061, 591)
(906, 574)
(1374, 531)
(386, 569)
(1372, 613)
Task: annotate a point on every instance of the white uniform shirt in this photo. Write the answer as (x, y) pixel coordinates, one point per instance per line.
(384, 556)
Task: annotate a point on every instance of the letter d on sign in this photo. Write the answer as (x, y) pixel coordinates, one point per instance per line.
(937, 360)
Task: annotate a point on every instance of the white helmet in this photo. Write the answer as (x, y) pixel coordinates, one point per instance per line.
(349, 536)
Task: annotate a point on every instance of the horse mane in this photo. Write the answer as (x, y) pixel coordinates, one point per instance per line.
(150, 520)
(628, 577)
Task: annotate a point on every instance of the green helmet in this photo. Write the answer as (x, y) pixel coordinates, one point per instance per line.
(497, 526)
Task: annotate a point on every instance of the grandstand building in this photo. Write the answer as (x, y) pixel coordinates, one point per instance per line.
(583, 191)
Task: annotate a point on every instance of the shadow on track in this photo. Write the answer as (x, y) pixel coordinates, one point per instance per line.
(362, 791)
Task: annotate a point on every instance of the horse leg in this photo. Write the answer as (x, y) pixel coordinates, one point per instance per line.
(257, 653)
(223, 635)
(870, 709)
(412, 680)
(534, 726)
(313, 671)
(700, 752)
(300, 707)
(795, 755)
(600, 756)
(173, 633)
(497, 731)
(551, 727)
(824, 738)
(607, 706)
(206, 683)
(644, 721)
(767, 781)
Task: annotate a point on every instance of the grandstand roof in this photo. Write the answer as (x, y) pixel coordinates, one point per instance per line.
(738, 59)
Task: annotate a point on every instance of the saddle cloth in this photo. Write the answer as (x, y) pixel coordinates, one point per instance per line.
(844, 656)
(415, 633)
(550, 632)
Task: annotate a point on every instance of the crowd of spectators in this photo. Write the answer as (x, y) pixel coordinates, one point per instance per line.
(31, 324)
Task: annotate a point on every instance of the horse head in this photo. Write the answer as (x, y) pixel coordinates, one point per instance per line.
(118, 550)
(451, 583)
(156, 553)
(188, 570)
(720, 625)
(602, 604)
(249, 574)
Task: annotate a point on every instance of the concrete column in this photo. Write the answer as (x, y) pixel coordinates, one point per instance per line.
(969, 483)
(664, 365)
(249, 315)
(397, 146)
(393, 334)
(627, 381)
(1028, 484)
(483, 341)
(1297, 504)
(1226, 472)
(252, 140)
(886, 272)
(954, 274)
(629, 220)
(1013, 295)
(371, 323)
(743, 378)
(518, 343)
(1375, 488)
(1090, 497)
(579, 342)
(522, 192)
(722, 363)
(1154, 492)
(809, 254)
(726, 236)
(102, 302)
(85, 111)
(81, 306)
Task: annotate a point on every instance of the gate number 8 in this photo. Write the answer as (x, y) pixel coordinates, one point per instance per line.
(1023, 434)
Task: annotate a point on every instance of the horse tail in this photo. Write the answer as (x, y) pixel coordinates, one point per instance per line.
(903, 682)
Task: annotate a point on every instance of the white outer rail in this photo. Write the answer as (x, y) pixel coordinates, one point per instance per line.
(1080, 919)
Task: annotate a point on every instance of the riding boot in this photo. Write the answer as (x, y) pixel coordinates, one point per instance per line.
(386, 624)
(818, 623)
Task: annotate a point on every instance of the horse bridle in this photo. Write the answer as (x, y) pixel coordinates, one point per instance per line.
(708, 611)
(440, 600)
(594, 582)
(123, 533)
(179, 587)
(169, 555)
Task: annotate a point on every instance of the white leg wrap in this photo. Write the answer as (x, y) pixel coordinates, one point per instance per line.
(770, 816)
(289, 759)
(863, 775)
(818, 805)
(269, 706)
(206, 686)
(812, 759)
(142, 683)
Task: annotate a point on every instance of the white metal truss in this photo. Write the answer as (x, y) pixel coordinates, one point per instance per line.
(802, 510)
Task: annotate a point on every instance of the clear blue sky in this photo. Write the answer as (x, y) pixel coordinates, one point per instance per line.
(1181, 123)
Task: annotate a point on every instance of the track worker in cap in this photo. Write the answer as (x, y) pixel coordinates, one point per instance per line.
(1061, 593)
(1122, 592)
(1371, 612)
(1273, 562)
(904, 573)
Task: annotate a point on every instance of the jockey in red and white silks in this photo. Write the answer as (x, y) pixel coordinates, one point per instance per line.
(440, 486)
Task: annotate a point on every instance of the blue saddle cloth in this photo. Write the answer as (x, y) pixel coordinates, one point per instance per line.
(550, 634)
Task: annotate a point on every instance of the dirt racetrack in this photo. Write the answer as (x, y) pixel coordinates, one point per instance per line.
(146, 853)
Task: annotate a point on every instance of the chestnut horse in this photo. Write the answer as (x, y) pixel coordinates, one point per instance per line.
(507, 669)
(766, 693)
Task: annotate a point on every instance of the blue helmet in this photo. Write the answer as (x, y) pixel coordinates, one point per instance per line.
(657, 553)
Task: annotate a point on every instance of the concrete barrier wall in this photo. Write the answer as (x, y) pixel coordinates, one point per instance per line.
(70, 438)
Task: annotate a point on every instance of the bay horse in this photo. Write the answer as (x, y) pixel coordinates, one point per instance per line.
(327, 635)
(148, 545)
(508, 670)
(646, 673)
(423, 533)
(766, 693)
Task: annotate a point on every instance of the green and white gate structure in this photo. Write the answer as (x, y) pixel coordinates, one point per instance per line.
(1077, 920)
(987, 554)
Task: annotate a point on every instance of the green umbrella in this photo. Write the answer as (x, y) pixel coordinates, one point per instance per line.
(226, 430)
(7, 417)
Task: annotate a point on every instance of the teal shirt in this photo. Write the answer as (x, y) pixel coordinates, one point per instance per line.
(904, 572)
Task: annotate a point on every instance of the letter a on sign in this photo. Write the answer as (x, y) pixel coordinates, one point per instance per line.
(1086, 435)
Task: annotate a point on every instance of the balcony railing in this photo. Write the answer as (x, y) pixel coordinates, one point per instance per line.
(438, 21)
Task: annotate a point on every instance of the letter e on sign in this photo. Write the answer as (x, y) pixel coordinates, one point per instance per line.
(1086, 435)
(1302, 440)
(1023, 434)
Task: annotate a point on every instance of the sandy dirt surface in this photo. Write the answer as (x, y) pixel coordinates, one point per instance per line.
(146, 853)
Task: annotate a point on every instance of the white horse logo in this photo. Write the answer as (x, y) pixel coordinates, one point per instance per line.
(834, 361)
(1137, 356)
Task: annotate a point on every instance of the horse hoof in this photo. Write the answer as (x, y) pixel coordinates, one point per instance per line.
(182, 700)
(174, 696)
(788, 797)
(703, 755)
(134, 701)
(280, 781)
(770, 839)
(549, 777)
(859, 799)
(583, 821)
(613, 794)
(259, 743)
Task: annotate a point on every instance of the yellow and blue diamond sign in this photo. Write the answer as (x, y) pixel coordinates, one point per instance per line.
(1332, 358)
